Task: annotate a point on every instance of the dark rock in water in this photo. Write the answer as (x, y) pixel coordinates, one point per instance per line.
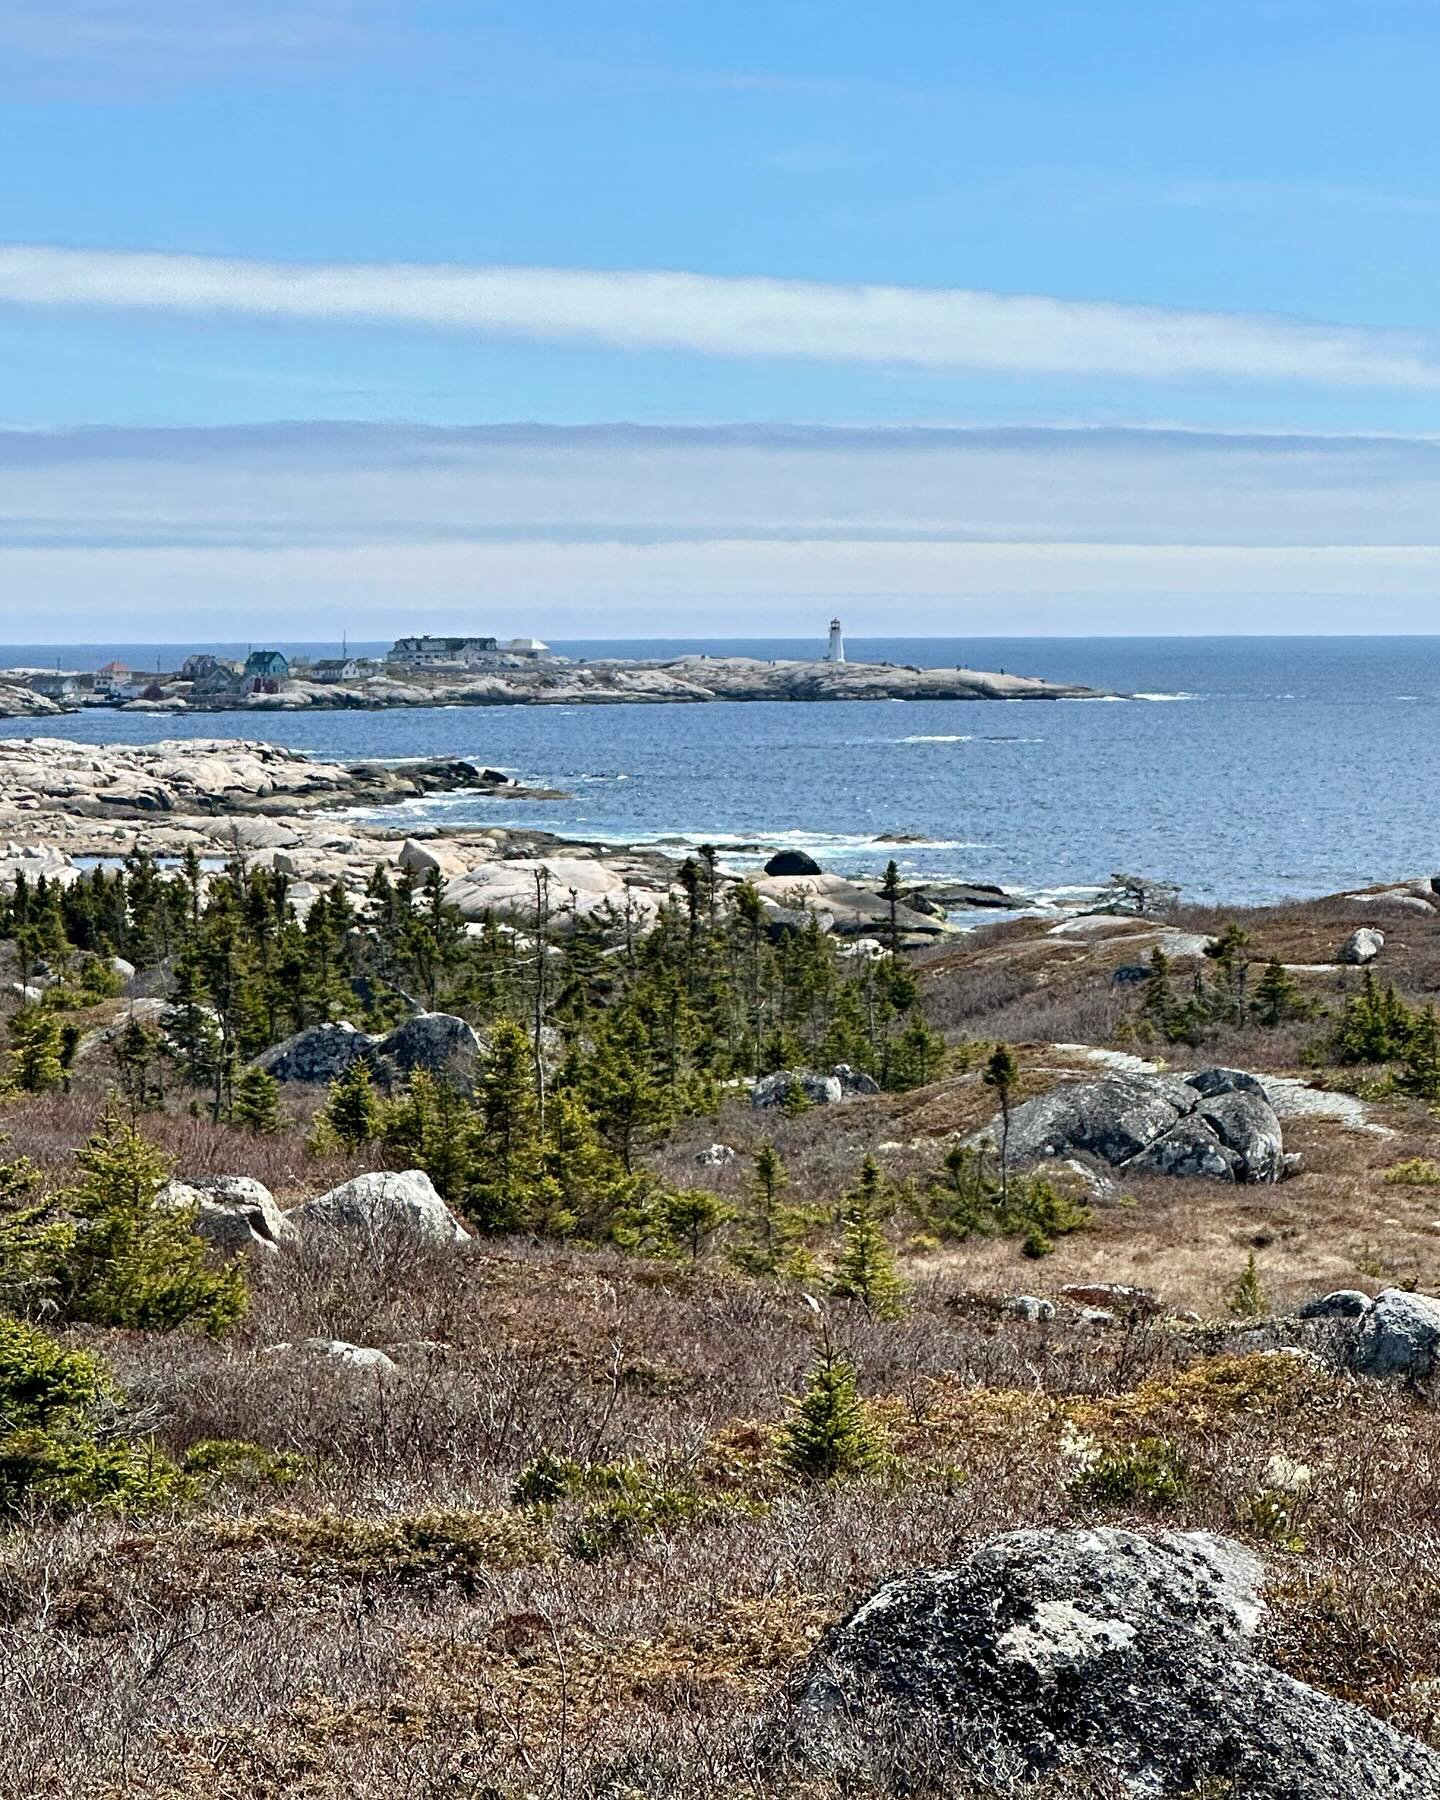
(1216, 1125)
(1122, 1654)
(792, 862)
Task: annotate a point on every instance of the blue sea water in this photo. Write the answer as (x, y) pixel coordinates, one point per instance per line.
(1245, 769)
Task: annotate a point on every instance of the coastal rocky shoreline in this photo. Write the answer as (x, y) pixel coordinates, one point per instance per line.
(689, 680)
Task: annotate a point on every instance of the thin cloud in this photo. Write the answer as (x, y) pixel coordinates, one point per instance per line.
(727, 316)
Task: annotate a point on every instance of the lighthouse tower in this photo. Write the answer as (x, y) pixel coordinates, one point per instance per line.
(836, 652)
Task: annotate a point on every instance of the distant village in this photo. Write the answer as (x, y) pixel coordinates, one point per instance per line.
(266, 672)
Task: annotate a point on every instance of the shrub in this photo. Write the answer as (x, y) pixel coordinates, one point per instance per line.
(1148, 1473)
(62, 1448)
(1415, 1171)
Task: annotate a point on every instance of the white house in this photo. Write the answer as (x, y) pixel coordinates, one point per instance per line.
(525, 647)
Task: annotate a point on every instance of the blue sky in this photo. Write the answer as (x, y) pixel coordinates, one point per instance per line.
(1160, 279)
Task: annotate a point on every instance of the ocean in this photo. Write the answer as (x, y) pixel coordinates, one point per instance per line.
(1244, 769)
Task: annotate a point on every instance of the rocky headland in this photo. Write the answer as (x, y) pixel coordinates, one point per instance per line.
(685, 680)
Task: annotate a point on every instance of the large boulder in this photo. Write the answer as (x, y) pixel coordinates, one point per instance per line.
(381, 1205)
(1399, 1335)
(785, 1086)
(1217, 1124)
(435, 1042)
(1362, 946)
(233, 1212)
(320, 1053)
(1115, 1118)
(1123, 1656)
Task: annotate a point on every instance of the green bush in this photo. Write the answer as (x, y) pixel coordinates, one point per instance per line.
(62, 1447)
(1149, 1473)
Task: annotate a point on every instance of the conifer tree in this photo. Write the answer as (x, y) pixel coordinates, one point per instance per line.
(36, 1050)
(255, 1100)
(33, 1242)
(1001, 1074)
(352, 1113)
(1375, 1026)
(1279, 997)
(771, 1242)
(866, 1271)
(1157, 997)
(137, 1261)
(139, 1057)
(1420, 1064)
(828, 1432)
(1247, 1297)
(589, 1181)
(510, 1186)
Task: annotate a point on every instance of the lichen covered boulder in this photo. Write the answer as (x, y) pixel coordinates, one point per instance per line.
(1124, 1655)
(1215, 1124)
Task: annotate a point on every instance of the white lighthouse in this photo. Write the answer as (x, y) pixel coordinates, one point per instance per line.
(836, 652)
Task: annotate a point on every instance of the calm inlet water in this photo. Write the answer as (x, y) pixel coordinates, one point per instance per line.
(1245, 769)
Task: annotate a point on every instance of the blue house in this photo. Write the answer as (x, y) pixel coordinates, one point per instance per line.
(267, 665)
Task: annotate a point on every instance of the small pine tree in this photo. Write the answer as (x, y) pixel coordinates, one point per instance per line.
(1157, 997)
(1375, 1026)
(137, 1262)
(1279, 997)
(828, 1432)
(36, 1051)
(771, 1239)
(1001, 1074)
(866, 1271)
(1420, 1065)
(352, 1114)
(255, 1100)
(1247, 1297)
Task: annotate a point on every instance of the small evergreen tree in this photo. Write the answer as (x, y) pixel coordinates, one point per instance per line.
(1247, 1297)
(828, 1432)
(1375, 1026)
(772, 1236)
(1157, 996)
(255, 1100)
(1420, 1063)
(36, 1051)
(352, 1112)
(1001, 1074)
(866, 1271)
(1279, 998)
(136, 1261)
(139, 1057)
